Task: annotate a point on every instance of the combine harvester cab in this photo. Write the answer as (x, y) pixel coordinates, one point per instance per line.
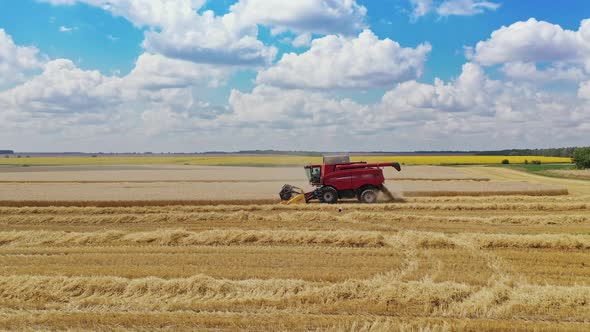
(339, 178)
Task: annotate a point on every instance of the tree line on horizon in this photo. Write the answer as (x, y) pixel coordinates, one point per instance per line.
(551, 152)
(566, 152)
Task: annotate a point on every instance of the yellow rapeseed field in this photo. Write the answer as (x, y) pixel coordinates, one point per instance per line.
(270, 160)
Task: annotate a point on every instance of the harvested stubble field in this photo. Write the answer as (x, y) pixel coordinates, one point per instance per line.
(436, 263)
(424, 263)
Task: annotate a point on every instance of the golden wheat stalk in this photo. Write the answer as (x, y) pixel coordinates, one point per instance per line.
(181, 237)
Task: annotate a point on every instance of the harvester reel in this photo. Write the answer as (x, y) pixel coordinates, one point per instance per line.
(294, 195)
(289, 191)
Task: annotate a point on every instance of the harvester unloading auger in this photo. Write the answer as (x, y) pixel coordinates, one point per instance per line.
(339, 178)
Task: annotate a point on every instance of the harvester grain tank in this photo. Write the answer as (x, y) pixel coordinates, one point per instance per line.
(337, 178)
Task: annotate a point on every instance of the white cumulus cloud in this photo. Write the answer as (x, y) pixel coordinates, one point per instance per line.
(472, 111)
(143, 12)
(528, 71)
(62, 88)
(534, 41)
(303, 16)
(159, 103)
(291, 108)
(211, 39)
(470, 92)
(16, 60)
(156, 72)
(67, 103)
(342, 62)
(179, 31)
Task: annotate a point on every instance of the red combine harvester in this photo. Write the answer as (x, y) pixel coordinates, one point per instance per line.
(339, 178)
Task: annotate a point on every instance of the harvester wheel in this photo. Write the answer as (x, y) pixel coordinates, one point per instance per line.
(369, 196)
(329, 195)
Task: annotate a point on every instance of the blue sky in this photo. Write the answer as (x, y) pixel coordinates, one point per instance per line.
(213, 76)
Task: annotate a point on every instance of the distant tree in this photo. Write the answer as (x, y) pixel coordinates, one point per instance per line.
(582, 157)
(526, 161)
(505, 162)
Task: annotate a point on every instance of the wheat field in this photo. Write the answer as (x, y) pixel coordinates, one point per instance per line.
(121, 183)
(425, 264)
(583, 174)
(451, 263)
